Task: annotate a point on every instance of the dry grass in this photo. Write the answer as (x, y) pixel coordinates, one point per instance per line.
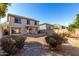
(39, 39)
(36, 47)
(74, 42)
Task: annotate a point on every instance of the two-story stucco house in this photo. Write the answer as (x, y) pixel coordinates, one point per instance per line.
(59, 28)
(22, 25)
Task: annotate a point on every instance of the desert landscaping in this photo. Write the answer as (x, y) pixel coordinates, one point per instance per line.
(38, 47)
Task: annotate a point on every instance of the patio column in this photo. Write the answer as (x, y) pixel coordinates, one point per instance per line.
(10, 30)
(1, 33)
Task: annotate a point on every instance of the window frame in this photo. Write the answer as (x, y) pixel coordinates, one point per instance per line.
(35, 23)
(28, 22)
(17, 20)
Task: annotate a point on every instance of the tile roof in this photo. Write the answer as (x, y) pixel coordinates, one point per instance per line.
(9, 14)
(45, 24)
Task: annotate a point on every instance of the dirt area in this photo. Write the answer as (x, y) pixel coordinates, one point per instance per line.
(38, 47)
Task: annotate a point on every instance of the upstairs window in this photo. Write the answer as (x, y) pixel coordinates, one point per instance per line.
(63, 27)
(28, 21)
(17, 20)
(35, 22)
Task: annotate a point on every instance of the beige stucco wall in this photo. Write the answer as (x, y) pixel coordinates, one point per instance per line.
(76, 31)
(48, 26)
(44, 27)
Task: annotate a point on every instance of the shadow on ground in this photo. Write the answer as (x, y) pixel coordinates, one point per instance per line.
(70, 50)
(34, 49)
(37, 49)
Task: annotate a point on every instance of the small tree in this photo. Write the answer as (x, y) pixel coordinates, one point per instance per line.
(3, 10)
(75, 24)
(71, 27)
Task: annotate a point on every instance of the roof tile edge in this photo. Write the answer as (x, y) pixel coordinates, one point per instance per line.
(9, 14)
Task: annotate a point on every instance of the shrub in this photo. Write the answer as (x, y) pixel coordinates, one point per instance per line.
(55, 41)
(12, 44)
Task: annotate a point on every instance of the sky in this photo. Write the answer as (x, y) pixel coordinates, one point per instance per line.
(52, 13)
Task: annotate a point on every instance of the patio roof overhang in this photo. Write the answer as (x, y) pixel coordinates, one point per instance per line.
(31, 26)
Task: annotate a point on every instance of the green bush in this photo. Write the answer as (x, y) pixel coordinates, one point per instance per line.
(12, 44)
(55, 41)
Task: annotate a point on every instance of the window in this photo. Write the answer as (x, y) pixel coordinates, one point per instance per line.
(17, 20)
(35, 22)
(28, 21)
(16, 30)
(63, 27)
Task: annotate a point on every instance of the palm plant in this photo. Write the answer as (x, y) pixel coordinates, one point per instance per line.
(3, 9)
